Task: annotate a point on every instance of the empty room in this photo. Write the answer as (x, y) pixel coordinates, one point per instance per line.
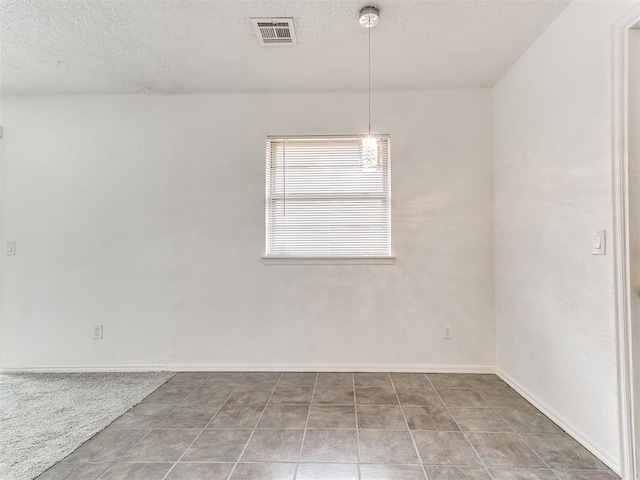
(319, 240)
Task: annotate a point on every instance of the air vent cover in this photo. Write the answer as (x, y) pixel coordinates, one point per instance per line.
(274, 31)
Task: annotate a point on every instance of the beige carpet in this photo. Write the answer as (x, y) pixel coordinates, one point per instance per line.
(44, 417)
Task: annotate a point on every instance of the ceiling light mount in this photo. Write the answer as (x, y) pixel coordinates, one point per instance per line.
(369, 17)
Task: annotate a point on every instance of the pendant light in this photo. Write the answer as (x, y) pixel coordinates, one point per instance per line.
(369, 142)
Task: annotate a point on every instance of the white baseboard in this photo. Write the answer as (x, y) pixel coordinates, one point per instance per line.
(562, 422)
(255, 367)
(84, 368)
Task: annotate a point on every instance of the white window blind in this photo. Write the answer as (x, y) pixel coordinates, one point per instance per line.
(322, 203)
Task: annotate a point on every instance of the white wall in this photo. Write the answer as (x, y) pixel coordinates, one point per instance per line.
(1, 236)
(552, 188)
(146, 214)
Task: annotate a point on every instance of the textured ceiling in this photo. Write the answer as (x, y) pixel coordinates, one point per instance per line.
(207, 46)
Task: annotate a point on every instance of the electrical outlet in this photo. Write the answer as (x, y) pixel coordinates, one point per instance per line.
(97, 332)
(10, 248)
(446, 332)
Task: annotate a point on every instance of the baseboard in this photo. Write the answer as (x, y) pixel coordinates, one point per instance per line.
(84, 368)
(562, 422)
(255, 367)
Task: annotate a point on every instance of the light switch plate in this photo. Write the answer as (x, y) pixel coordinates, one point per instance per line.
(10, 248)
(599, 242)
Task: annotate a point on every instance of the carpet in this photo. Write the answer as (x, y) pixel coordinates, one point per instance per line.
(45, 416)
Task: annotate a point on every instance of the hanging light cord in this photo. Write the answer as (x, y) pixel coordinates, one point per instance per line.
(369, 72)
(284, 178)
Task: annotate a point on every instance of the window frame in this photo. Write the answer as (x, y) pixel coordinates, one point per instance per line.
(323, 259)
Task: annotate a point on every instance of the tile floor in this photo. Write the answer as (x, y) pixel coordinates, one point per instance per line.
(331, 426)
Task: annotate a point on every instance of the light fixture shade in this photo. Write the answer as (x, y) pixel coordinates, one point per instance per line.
(369, 147)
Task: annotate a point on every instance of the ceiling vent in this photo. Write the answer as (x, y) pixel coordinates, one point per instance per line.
(274, 31)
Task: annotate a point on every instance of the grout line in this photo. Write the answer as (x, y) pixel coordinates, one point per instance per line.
(306, 426)
(463, 432)
(255, 427)
(413, 441)
(335, 428)
(122, 454)
(199, 385)
(504, 420)
(355, 407)
(204, 428)
(531, 448)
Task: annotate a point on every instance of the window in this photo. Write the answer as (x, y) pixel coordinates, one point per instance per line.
(322, 203)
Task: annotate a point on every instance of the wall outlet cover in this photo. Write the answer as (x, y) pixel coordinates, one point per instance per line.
(97, 332)
(446, 332)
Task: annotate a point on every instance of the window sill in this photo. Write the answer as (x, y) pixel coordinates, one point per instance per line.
(285, 260)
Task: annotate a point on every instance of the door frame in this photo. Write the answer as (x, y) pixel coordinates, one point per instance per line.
(629, 422)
